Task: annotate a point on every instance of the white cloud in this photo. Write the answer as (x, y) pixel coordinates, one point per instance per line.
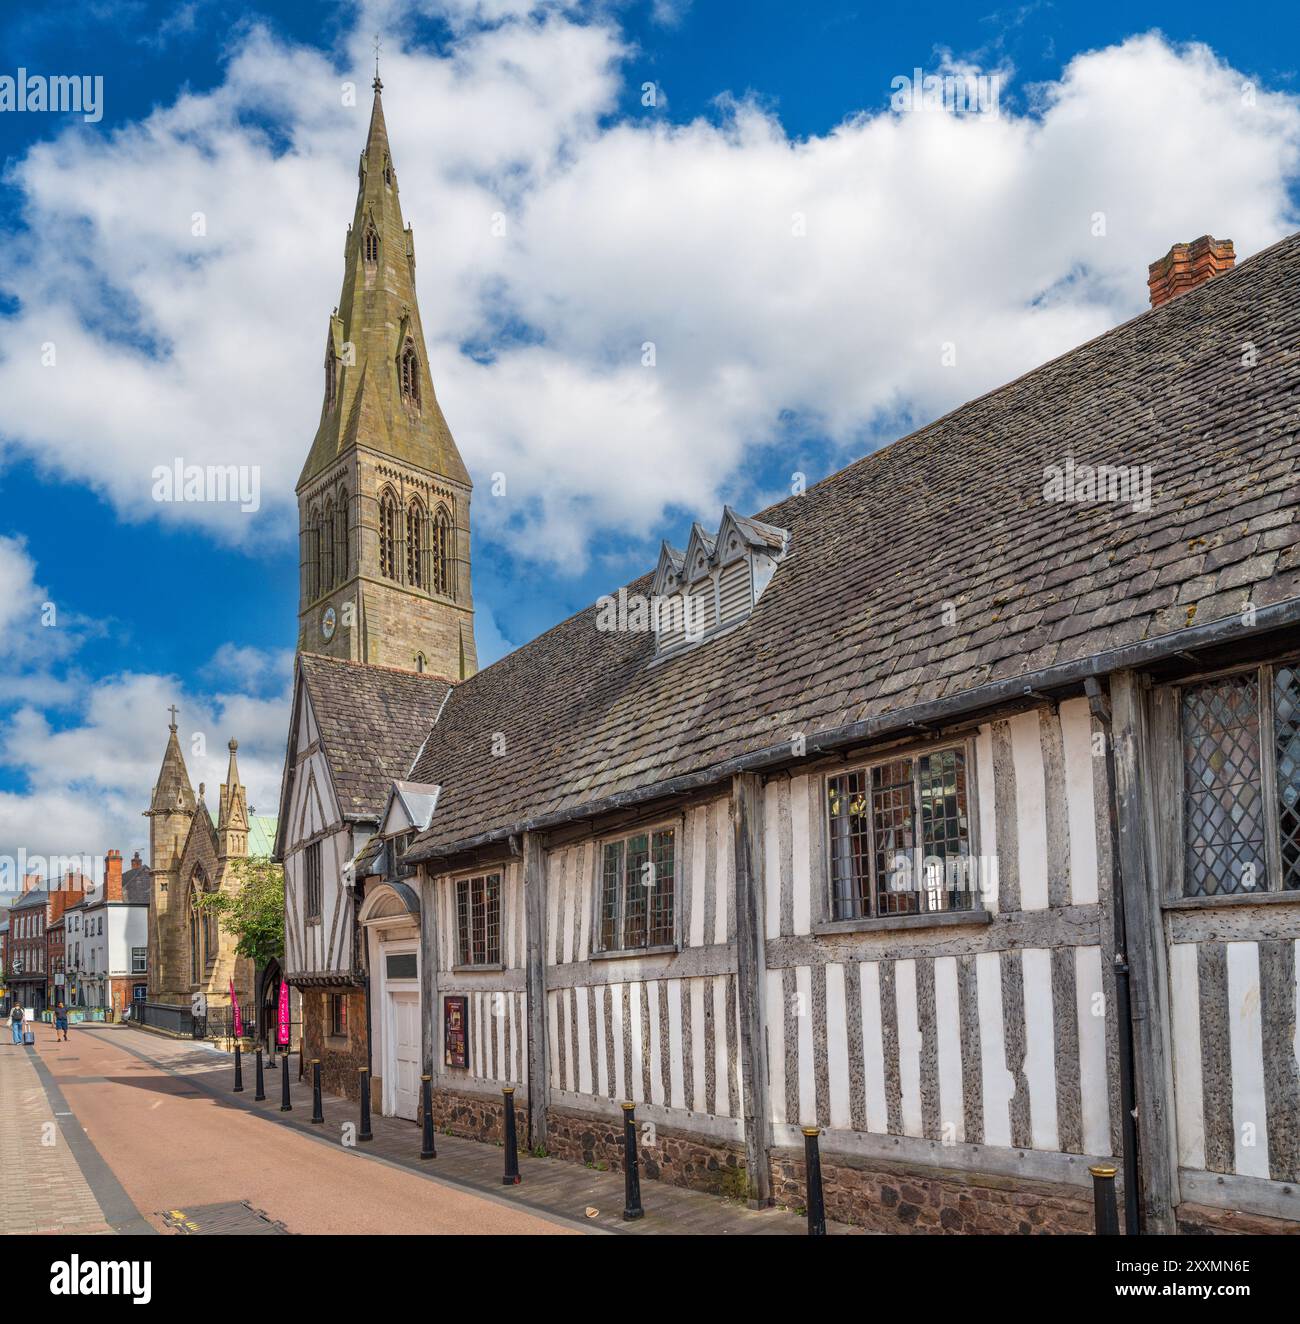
(251, 670)
(88, 784)
(921, 230)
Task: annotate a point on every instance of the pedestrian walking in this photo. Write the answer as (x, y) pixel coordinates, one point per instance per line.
(16, 1024)
(60, 1021)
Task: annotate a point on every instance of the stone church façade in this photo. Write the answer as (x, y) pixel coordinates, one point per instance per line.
(191, 851)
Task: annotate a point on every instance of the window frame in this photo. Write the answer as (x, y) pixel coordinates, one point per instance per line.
(1171, 764)
(464, 959)
(599, 951)
(338, 1022)
(140, 954)
(311, 883)
(977, 913)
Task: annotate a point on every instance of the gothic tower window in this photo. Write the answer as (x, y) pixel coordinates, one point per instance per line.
(340, 535)
(371, 245)
(331, 378)
(410, 374)
(327, 548)
(203, 947)
(388, 534)
(442, 551)
(416, 544)
(388, 172)
(313, 555)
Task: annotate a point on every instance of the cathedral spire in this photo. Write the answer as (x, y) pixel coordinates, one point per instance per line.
(384, 498)
(378, 389)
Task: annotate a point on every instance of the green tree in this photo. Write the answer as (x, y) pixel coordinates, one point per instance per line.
(253, 911)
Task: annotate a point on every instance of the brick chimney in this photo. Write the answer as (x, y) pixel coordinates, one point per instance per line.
(113, 876)
(31, 880)
(1186, 266)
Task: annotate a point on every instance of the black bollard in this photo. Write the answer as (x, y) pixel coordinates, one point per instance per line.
(317, 1112)
(511, 1177)
(285, 1105)
(631, 1167)
(1104, 1209)
(239, 1072)
(260, 1096)
(813, 1170)
(427, 1149)
(365, 1133)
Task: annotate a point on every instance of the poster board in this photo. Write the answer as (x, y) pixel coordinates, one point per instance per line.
(455, 1031)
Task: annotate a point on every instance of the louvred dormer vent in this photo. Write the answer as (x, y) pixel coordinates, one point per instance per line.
(715, 583)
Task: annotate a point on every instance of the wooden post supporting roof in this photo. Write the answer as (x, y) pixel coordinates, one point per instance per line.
(428, 970)
(535, 946)
(751, 980)
(1136, 806)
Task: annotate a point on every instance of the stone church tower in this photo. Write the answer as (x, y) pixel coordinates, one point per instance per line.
(170, 814)
(383, 499)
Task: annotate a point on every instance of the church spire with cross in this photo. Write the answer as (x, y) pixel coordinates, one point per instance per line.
(384, 495)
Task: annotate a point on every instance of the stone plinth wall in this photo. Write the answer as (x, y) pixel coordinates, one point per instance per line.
(664, 1154)
(888, 1197)
(478, 1116)
(340, 1057)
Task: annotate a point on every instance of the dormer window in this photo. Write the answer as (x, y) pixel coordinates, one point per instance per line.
(410, 375)
(370, 245)
(715, 583)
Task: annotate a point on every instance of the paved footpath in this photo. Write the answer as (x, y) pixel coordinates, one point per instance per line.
(44, 1187)
(164, 1114)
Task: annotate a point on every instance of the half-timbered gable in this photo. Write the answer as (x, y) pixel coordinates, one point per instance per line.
(355, 729)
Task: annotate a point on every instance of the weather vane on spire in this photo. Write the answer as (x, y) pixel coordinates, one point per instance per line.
(377, 85)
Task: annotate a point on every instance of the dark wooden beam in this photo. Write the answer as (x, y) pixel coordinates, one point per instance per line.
(535, 948)
(428, 969)
(751, 980)
(1135, 812)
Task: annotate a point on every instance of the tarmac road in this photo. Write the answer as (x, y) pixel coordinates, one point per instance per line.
(171, 1147)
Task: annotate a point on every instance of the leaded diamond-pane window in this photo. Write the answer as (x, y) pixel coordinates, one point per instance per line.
(1286, 746)
(1223, 807)
(1240, 739)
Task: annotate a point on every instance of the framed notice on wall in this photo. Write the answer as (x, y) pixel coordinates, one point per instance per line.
(455, 1031)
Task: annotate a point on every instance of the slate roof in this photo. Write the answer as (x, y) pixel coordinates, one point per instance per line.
(35, 896)
(372, 722)
(136, 884)
(851, 627)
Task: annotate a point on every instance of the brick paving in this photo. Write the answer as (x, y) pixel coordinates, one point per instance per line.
(553, 1186)
(44, 1189)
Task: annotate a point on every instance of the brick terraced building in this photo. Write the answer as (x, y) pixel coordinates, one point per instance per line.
(867, 823)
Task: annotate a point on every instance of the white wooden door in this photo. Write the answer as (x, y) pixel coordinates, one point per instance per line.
(406, 1053)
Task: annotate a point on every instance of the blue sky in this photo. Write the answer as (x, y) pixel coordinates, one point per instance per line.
(669, 224)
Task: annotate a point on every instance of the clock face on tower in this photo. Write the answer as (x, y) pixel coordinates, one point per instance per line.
(327, 622)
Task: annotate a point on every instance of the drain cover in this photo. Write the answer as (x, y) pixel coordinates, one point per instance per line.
(235, 1218)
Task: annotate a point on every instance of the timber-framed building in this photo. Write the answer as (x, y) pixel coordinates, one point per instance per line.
(903, 783)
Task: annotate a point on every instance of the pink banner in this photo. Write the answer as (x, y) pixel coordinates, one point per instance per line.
(239, 1020)
(282, 1030)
